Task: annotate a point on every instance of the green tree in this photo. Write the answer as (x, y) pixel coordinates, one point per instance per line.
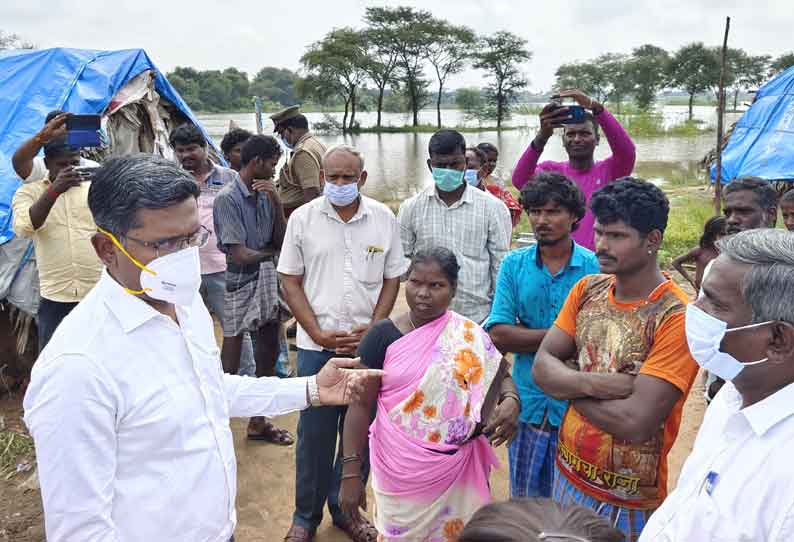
(409, 30)
(589, 77)
(340, 57)
(648, 66)
(695, 69)
(781, 63)
(501, 56)
(275, 85)
(381, 62)
(448, 51)
(745, 72)
(619, 75)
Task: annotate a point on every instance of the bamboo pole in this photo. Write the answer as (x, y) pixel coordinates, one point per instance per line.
(720, 114)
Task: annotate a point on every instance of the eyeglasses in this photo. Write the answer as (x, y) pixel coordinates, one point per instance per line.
(175, 244)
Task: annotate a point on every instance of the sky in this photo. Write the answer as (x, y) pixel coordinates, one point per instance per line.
(252, 34)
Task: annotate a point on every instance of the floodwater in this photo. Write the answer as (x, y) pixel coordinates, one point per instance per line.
(397, 163)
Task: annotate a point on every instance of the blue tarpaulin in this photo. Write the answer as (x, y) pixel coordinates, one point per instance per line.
(762, 143)
(82, 81)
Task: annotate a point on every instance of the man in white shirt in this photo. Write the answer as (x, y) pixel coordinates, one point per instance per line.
(31, 167)
(340, 269)
(471, 223)
(736, 484)
(128, 405)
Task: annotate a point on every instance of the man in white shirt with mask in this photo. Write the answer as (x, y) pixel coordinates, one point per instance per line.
(128, 405)
(736, 484)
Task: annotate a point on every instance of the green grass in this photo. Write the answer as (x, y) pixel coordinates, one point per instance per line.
(688, 213)
(652, 125)
(14, 447)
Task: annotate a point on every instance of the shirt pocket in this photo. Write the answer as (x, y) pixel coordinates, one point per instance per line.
(474, 238)
(369, 262)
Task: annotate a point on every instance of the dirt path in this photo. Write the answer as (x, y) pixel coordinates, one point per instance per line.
(266, 479)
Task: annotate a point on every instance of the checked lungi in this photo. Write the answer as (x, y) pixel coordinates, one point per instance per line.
(629, 520)
(251, 297)
(532, 454)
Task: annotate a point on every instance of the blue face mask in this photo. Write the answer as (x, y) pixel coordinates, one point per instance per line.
(447, 180)
(341, 195)
(471, 177)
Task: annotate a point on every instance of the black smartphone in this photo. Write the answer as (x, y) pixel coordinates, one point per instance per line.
(86, 172)
(576, 112)
(83, 130)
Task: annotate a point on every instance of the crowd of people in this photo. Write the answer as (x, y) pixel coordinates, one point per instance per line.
(130, 398)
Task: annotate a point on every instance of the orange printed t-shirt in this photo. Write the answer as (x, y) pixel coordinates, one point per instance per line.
(642, 337)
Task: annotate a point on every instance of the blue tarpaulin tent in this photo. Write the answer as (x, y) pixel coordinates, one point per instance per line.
(83, 81)
(762, 143)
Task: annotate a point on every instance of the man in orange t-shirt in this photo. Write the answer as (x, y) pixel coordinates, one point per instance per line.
(618, 352)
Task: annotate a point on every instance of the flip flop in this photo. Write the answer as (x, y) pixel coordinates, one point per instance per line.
(269, 433)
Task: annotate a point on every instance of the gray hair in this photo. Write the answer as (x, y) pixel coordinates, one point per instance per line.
(126, 184)
(346, 149)
(767, 286)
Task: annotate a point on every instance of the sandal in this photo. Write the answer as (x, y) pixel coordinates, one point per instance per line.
(297, 533)
(358, 531)
(260, 428)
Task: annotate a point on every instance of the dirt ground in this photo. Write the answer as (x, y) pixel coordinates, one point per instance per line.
(266, 478)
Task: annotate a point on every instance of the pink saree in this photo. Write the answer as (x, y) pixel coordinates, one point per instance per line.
(427, 475)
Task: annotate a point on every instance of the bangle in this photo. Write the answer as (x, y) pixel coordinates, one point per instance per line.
(355, 458)
(350, 475)
(52, 192)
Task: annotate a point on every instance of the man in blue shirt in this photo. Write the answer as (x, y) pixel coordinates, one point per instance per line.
(531, 288)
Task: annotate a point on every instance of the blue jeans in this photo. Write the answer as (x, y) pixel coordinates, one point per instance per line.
(49, 317)
(213, 288)
(318, 468)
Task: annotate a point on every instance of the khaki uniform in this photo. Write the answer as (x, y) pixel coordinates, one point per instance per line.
(301, 171)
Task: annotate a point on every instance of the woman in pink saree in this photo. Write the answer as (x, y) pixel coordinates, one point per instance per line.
(430, 461)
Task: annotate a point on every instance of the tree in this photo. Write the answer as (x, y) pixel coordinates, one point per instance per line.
(501, 56)
(781, 63)
(648, 66)
(409, 30)
(745, 72)
(339, 57)
(449, 48)
(381, 62)
(14, 41)
(589, 77)
(694, 69)
(276, 85)
(618, 74)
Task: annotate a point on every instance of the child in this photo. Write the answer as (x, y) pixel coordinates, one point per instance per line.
(703, 253)
(787, 209)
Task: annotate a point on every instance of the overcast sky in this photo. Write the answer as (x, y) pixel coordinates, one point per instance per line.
(252, 34)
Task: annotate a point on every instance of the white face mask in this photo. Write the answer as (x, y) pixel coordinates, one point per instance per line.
(704, 334)
(173, 278)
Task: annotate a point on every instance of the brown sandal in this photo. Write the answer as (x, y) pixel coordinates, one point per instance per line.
(358, 531)
(297, 533)
(260, 428)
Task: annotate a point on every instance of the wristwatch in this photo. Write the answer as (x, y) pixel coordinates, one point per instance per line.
(314, 391)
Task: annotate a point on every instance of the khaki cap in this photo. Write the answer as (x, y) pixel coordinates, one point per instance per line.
(285, 114)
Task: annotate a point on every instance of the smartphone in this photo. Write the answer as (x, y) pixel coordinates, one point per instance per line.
(86, 172)
(577, 113)
(83, 130)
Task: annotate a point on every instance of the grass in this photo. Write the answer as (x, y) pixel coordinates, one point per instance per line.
(652, 125)
(14, 447)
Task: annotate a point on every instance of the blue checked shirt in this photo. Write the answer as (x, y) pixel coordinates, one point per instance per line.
(527, 294)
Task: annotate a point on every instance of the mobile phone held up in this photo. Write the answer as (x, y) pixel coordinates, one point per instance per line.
(576, 112)
(86, 172)
(83, 130)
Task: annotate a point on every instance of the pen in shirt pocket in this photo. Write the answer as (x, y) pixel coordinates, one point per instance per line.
(710, 482)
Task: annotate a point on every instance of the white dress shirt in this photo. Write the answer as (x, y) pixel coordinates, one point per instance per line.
(475, 228)
(738, 483)
(343, 263)
(130, 417)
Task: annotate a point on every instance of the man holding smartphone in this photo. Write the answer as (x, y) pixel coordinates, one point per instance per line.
(28, 165)
(580, 140)
(53, 212)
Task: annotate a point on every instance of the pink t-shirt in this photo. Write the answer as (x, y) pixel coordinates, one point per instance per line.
(620, 164)
(212, 259)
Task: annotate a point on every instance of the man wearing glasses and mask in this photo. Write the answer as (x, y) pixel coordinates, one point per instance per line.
(128, 405)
